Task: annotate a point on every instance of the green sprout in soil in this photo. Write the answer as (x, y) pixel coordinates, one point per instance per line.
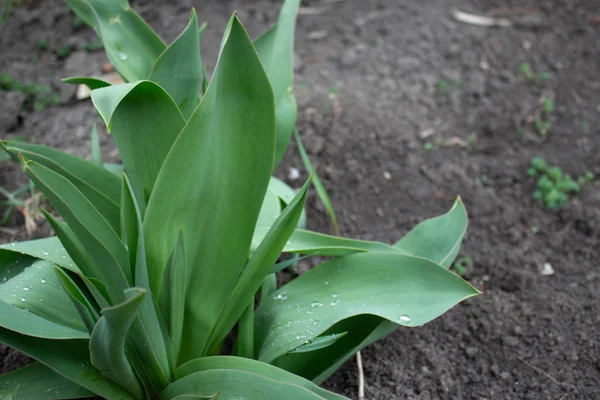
(7, 7)
(553, 186)
(37, 97)
(462, 265)
(428, 146)
(534, 229)
(526, 70)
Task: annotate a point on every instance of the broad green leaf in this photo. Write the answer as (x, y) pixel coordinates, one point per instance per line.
(27, 323)
(179, 69)
(234, 385)
(49, 249)
(286, 194)
(172, 296)
(321, 191)
(406, 290)
(258, 267)
(276, 50)
(69, 358)
(311, 243)
(95, 145)
(92, 83)
(319, 343)
(144, 122)
(213, 182)
(100, 241)
(130, 44)
(437, 239)
(98, 185)
(108, 342)
(86, 310)
(32, 285)
(228, 363)
(38, 382)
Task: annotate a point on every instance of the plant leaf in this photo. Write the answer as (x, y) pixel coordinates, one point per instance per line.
(322, 363)
(224, 154)
(100, 241)
(31, 285)
(438, 239)
(144, 122)
(235, 364)
(49, 249)
(149, 341)
(321, 191)
(286, 194)
(38, 382)
(86, 310)
(319, 343)
(108, 340)
(130, 44)
(95, 145)
(179, 69)
(172, 296)
(27, 323)
(276, 50)
(406, 290)
(71, 244)
(312, 243)
(258, 267)
(99, 186)
(92, 83)
(69, 358)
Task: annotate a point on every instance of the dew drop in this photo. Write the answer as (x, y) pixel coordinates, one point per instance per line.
(122, 56)
(22, 298)
(280, 296)
(42, 280)
(335, 303)
(334, 295)
(327, 283)
(404, 318)
(13, 244)
(316, 322)
(316, 304)
(25, 288)
(44, 252)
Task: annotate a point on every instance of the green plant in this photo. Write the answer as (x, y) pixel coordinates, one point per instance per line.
(553, 186)
(153, 268)
(462, 265)
(7, 7)
(37, 97)
(526, 70)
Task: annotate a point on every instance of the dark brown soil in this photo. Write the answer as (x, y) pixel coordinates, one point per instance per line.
(368, 84)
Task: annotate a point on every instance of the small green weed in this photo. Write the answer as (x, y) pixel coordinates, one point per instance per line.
(37, 97)
(444, 86)
(553, 186)
(526, 70)
(428, 146)
(462, 265)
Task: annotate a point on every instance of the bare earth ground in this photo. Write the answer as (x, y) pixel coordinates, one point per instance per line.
(368, 84)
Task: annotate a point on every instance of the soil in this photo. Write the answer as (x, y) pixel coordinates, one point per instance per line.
(376, 82)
